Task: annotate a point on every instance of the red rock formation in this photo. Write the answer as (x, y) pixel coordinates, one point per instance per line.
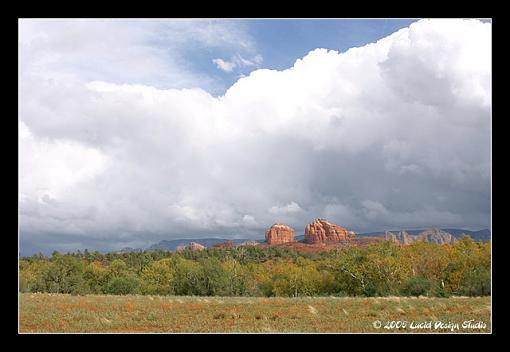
(228, 244)
(196, 246)
(279, 233)
(322, 231)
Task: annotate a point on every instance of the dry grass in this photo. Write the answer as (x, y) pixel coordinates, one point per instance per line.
(101, 313)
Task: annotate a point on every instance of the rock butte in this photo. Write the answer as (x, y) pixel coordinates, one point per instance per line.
(196, 246)
(192, 245)
(279, 233)
(227, 244)
(323, 231)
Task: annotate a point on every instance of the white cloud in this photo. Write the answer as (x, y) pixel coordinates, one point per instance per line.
(292, 207)
(150, 52)
(224, 65)
(237, 61)
(367, 138)
(249, 220)
(50, 169)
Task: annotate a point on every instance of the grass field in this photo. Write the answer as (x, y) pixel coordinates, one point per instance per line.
(101, 313)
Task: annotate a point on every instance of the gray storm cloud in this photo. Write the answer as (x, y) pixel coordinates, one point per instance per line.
(394, 134)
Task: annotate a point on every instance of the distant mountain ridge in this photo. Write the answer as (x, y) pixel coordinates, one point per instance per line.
(171, 245)
(431, 235)
(480, 235)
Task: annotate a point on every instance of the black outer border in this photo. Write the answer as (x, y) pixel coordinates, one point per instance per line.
(252, 10)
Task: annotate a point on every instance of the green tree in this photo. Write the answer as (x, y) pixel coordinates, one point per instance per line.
(188, 276)
(118, 268)
(157, 277)
(63, 275)
(349, 267)
(96, 277)
(122, 285)
(30, 274)
(475, 282)
(214, 280)
(236, 278)
(297, 279)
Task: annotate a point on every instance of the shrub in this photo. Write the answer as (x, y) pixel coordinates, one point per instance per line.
(417, 286)
(122, 285)
(476, 282)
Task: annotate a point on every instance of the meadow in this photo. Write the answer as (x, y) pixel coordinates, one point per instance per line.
(54, 313)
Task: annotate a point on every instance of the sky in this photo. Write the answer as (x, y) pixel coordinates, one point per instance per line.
(135, 131)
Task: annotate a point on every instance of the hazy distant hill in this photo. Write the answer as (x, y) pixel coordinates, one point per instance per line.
(481, 235)
(171, 245)
(129, 249)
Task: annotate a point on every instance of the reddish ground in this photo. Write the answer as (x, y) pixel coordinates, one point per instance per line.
(321, 247)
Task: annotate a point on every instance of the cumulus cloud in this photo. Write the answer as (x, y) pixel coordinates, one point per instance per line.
(393, 134)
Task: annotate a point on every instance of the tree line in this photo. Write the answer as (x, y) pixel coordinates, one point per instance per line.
(381, 269)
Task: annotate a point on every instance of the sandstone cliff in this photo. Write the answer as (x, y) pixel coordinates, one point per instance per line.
(323, 231)
(226, 244)
(196, 246)
(279, 233)
(192, 245)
